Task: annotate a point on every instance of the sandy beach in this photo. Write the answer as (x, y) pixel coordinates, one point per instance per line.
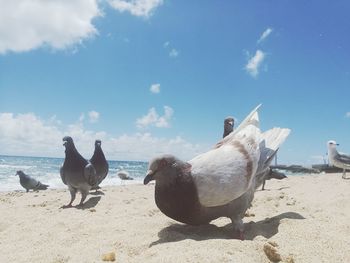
(306, 217)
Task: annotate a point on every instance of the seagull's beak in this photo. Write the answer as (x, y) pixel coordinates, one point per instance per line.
(149, 177)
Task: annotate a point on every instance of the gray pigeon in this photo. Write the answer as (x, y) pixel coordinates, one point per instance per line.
(98, 160)
(228, 126)
(28, 182)
(77, 173)
(220, 182)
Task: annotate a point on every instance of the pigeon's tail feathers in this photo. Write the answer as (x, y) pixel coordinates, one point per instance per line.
(41, 186)
(270, 142)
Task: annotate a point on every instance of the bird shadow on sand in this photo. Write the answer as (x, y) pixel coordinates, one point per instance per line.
(92, 202)
(273, 189)
(178, 232)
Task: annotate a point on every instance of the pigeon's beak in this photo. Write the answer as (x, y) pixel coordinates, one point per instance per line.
(64, 143)
(149, 177)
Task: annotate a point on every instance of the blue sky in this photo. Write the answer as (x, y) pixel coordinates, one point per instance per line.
(87, 68)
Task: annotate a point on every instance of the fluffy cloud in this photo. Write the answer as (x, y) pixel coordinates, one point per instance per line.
(347, 114)
(155, 88)
(254, 63)
(152, 118)
(30, 24)
(265, 34)
(94, 116)
(173, 53)
(27, 134)
(143, 8)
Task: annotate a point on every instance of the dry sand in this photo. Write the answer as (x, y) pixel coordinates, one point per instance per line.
(308, 217)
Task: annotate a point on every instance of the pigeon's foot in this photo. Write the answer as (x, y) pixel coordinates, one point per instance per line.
(238, 234)
(66, 206)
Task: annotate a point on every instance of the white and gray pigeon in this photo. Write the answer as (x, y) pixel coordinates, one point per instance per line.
(76, 172)
(30, 183)
(220, 182)
(338, 159)
(228, 126)
(98, 160)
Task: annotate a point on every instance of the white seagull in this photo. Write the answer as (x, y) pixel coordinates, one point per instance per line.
(337, 159)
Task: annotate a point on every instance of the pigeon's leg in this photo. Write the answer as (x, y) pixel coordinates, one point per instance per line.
(83, 197)
(73, 193)
(238, 227)
(27, 190)
(263, 185)
(344, 174)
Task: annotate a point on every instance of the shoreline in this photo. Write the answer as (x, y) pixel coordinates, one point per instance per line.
(306, 216)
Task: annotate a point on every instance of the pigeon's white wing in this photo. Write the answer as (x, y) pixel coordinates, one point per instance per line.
(251, 120)
(271, 140)
(225, 173)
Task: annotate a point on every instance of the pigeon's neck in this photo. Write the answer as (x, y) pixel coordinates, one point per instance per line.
(73, 156)
(98, 155)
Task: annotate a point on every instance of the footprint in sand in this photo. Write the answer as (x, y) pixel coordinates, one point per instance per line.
(153, 212)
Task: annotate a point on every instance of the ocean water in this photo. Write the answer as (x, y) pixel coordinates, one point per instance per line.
(47, 171)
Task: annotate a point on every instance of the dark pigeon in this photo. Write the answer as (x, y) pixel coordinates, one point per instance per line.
(29, 183)
(98, 160)
(77, 173)
(228, 126)
(273, 174)
(220, 182)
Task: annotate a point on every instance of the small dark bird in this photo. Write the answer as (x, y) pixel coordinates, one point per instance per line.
(30, 183)
(77, 173)
(220, 182)
(273, 174)
(98, 160)
(228, 126)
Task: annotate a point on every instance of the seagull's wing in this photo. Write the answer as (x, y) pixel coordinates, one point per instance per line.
(225, 173)
(343, 158)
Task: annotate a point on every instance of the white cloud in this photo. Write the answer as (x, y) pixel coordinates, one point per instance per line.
(265, 34)
(155, 88)
(174, 53)
(166, 44)
(94, 116)
(254, 63)
(347, 114)
(152, 118)
(143, 8)
(30, 24)
(29, 135)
